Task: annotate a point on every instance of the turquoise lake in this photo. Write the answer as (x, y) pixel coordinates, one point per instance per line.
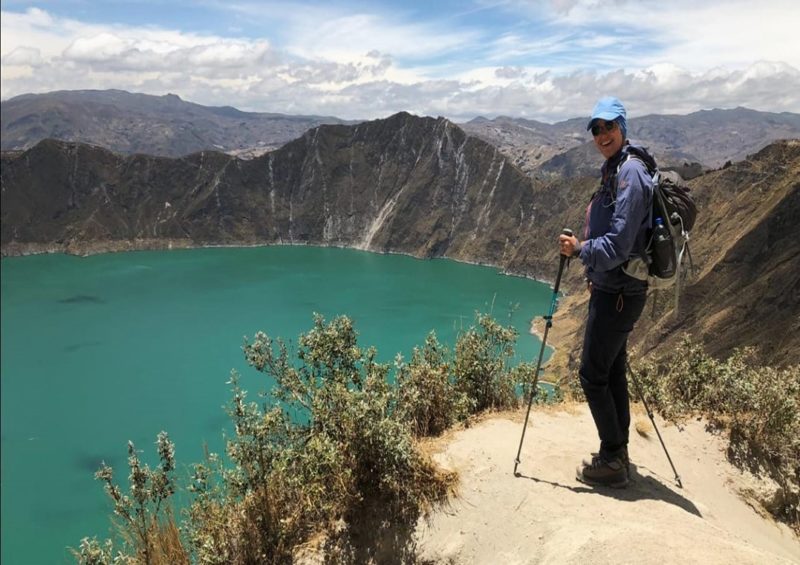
(100, 350)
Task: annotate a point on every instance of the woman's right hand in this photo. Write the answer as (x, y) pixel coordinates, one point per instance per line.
(569, 245)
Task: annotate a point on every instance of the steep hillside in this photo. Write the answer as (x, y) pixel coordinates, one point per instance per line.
(139, 123)
(415, 185)
(746, 247)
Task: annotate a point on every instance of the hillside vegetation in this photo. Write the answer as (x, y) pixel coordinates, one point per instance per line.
(329, 460)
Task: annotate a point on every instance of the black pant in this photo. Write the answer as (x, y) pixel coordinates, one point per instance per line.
(602, 372)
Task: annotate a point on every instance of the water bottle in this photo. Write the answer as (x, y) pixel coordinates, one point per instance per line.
(663, 251)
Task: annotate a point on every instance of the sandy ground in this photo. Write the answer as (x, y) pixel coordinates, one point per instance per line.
(545, 516)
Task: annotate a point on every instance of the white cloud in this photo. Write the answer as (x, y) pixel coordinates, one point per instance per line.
(23, 56)
(97, 48)
(509, 72)
(343, 34)
(698, 35)
(363, 65)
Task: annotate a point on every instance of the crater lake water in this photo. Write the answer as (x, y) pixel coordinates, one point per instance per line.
(100, 350)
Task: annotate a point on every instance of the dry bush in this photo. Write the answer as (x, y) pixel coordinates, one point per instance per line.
(482, 368)
(758, 406)
(426, 394)
(438, 388)
(147, 533)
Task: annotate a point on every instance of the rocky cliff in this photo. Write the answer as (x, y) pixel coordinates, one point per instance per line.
(406, 184)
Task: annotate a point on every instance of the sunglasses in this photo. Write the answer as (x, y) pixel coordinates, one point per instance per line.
(598, 129)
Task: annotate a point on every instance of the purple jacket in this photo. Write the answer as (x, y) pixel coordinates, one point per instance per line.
(615, 231)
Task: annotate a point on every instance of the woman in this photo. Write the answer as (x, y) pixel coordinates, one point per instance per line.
(616, 224)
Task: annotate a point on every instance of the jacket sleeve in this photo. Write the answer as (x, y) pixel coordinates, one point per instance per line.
(631, 211)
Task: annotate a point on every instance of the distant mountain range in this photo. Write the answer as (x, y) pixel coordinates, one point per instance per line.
(421, 186)
(139, 123)
(708, 138)
(168, 126)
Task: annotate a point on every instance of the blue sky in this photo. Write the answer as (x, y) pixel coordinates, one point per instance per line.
(546, 60)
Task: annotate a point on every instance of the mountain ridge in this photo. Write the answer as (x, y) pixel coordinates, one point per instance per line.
(141, 123)
(706, 138)
(386, 169)
(166, 125)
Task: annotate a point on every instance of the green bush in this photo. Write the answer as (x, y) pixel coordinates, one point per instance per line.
(331, 454)
(437, 389)
(147, 530)
(328, 455)
(426, 394)
(482, 366)
(759, 407)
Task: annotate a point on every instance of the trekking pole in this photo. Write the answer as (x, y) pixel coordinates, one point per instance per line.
(650, 414)
(549, 318)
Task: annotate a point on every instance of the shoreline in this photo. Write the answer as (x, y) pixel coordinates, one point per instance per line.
(87, 249)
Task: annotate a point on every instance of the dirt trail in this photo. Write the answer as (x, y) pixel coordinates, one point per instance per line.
(545, 516)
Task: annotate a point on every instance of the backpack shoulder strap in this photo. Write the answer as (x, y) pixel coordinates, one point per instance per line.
(632, 152)
(643, 155)
(615, 174)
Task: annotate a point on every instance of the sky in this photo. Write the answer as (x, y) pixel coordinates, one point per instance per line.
(546, 60)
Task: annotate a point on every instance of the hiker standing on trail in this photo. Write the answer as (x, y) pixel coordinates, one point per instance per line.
(616, 223)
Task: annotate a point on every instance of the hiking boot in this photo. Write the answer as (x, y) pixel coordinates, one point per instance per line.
(587, 462)
(602, 472)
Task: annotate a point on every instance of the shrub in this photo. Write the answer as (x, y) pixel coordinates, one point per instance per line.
(333, 456)
(329, 454)
(426, 394)
(147, 530)
(759, 406)
(481, 369)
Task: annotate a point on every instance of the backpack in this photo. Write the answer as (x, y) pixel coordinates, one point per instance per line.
(671, 220)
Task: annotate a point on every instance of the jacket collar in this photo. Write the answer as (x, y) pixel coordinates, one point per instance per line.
(610, 166)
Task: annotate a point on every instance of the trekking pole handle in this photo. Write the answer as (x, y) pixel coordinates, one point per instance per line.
(564, 258)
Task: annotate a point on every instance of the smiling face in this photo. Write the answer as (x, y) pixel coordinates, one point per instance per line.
(607, 141)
